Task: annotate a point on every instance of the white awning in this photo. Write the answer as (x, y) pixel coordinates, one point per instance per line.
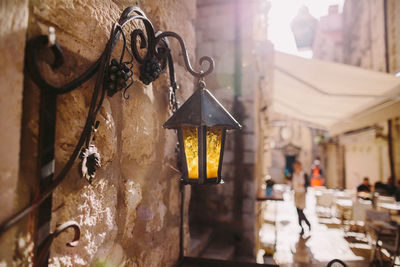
(336, 96)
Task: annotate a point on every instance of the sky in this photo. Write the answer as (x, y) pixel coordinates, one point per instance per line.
(282, 13)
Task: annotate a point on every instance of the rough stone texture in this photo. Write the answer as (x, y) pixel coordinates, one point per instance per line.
(393, 11)
(230, 208)
(357, 36)
(363, 36)
(130, 214)
(328, 39)
(13, 26)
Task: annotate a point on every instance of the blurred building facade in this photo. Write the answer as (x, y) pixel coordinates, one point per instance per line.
(290, 139)
(367, 35)
(328, 39)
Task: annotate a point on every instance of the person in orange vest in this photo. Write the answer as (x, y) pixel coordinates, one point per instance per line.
(316, 174)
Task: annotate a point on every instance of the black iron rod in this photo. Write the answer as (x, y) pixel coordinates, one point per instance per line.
(47, 132)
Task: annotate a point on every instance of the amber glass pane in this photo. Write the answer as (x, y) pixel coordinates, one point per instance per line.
(190, 139)
(214, 138)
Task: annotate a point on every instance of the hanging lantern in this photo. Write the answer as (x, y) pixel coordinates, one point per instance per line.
(202, 123)
(303, 27)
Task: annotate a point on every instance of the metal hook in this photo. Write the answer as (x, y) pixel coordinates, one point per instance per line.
(52, 36)
(44, 251)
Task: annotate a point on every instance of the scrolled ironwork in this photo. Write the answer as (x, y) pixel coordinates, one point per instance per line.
(157, 47)
(200, 74)
(44, 250)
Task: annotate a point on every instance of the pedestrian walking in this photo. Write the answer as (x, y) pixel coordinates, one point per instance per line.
(300, 182)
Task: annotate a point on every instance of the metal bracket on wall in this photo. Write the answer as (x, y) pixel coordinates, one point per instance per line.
(47, 131)
(113, 75)
(43, 251)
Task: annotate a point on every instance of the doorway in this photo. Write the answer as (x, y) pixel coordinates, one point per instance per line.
(290, 159)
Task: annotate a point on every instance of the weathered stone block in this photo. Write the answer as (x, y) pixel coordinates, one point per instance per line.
(250, 189)
(248, 206)
(206, 49)
(249, 158)
(13, 28)
(249, 142)
(248, 124)
(228, 157)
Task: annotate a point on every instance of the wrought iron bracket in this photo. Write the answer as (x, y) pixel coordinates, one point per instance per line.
(112, 76)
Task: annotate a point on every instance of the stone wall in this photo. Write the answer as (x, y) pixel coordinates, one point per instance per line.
(393, 25)
(13, 27)
(328, 39)
(357, 36)
(363, 36)
(234, 33)
(133, 205)
(215, 32)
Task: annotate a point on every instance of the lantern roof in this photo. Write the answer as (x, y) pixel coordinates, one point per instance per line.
(202, 109)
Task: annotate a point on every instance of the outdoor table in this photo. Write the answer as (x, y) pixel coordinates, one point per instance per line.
(386, 199)
(273, 198)
(390, 206)
(344, 203)
(276, 196)
(364, 195)
(341, 194)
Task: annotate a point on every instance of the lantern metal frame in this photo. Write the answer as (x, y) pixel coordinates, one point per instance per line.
(201, 111)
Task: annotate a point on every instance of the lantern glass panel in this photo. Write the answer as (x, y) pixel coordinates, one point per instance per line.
(191, 143)
(214, 139)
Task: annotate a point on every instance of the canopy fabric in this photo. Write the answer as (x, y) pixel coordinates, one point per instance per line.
(335, 96)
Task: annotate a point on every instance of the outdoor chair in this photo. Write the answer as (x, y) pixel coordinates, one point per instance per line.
(324, 203)
(384, 199)
(384, 234)
(391, 245)
(360, 208)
